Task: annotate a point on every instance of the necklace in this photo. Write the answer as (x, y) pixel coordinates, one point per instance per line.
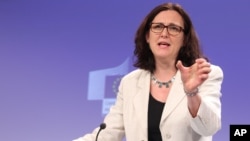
(160, 84)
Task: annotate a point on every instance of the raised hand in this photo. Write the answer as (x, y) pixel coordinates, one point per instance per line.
(193, 76)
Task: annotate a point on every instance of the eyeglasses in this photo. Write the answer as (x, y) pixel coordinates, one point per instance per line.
(172, 29)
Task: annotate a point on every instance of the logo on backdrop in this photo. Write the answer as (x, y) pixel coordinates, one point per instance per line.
(103, 84)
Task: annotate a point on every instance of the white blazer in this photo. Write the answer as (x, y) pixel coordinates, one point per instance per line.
(128, 117)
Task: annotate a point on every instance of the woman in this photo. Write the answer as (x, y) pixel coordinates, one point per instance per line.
(175, 92)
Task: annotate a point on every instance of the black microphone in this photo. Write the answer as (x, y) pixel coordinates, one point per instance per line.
(102, 126)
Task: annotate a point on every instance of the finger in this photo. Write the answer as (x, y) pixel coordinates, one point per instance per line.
(200, 60)
(180, 66)
(204, 65)
(204, 71)
(203, 76)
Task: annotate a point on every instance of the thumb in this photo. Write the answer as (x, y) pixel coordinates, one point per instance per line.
(180, 66)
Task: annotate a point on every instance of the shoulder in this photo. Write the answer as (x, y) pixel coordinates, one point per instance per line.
(216, 75)
(216, 71)
(136, 74)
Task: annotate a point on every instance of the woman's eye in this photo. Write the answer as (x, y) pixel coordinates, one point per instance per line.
(174, 28)
(157, 26)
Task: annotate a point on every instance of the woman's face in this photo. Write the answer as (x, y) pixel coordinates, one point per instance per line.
(166, 44)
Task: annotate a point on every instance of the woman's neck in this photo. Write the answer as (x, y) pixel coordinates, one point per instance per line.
(165, 71)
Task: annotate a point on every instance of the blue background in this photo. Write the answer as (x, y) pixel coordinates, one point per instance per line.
(49, 48)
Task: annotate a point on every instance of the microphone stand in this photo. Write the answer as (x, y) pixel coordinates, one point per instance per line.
(102, 126)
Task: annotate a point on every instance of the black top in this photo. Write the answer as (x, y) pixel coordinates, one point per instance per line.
(155, 109)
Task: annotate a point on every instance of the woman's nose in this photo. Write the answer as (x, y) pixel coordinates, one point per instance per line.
(164, 33)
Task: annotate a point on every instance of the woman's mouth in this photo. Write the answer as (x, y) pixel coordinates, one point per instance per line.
(163, 44)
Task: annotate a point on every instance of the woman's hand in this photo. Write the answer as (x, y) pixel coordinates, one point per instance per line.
(193, 76)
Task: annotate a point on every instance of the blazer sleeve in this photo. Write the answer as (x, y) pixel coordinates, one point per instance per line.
(208, 119)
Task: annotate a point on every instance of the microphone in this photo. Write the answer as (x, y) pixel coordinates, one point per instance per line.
(102, 126)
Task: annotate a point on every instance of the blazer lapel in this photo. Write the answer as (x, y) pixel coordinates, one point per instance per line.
(141, 99)
(175, 96)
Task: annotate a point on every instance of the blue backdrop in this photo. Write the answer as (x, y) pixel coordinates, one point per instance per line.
(61, 61)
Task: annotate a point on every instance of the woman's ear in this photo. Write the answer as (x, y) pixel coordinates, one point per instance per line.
(147, 37)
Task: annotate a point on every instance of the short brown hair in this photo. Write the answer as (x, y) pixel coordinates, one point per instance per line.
(190, 51)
